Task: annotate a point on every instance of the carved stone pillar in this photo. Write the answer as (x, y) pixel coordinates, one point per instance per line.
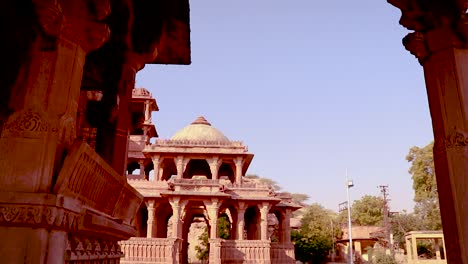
(286, 233)
(42, 125)
(215, 164)
(178, 213)
(156, 167)
(147, 111)
(181, 163)
(239, 161)
(439, 41)
(212, 208)
(264, 208)
(151, 228)
(142, 167)
(240, 220)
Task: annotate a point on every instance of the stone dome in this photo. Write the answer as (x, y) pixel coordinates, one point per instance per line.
(200, 130)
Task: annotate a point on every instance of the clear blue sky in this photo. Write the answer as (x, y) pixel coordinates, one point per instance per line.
(312, 87)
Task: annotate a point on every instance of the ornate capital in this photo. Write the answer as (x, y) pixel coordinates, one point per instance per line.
(78, 21)
(436, 25)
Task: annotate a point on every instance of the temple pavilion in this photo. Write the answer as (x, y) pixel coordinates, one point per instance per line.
(199, 174)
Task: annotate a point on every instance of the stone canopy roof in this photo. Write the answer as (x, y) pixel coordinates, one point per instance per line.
(200, 130)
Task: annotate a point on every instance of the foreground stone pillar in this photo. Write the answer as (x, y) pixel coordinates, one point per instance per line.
(240, 220)
(439, 42)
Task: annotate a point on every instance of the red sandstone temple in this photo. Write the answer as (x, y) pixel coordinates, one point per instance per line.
(198, 173)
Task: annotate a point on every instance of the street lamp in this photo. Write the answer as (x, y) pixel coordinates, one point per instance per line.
(349, 184)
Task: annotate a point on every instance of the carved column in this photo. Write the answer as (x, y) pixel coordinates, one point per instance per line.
(215, 164)
(241, 207)
(178, 213)
(239, 161)
(264, 208)
(151, 228)
(147, 111)
(286, 232)
(181, 164)
(142, 167)
(212, 208)
(156, 167)
(439, 41)
(42, 125)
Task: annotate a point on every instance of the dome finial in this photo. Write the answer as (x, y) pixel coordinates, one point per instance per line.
(201, 121)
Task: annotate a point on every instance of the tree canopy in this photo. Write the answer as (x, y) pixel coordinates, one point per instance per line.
(368, 211)
(315, 239)
(425, 186)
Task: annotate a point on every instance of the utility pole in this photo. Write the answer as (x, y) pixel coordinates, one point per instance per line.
(384, 191)
(349, 184)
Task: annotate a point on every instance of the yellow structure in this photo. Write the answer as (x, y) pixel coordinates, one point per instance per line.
(437, 240)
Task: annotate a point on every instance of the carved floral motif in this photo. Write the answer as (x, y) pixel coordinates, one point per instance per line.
(38, 215)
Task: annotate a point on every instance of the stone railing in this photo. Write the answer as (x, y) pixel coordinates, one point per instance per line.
(282, 253)
(250, 189)
(199, 143)
(194, 185)
(245, 251)
(150, 250)
(85, 176)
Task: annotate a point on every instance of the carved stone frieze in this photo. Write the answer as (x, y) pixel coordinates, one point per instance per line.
(436, 25)
(38, 215)
(27, 123)
(455, 139)
(83, 249)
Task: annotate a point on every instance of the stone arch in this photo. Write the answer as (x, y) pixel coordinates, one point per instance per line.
(252, 223)
(230, 212)
(163, 213)
(132, 166)
(275, 223)
(197, 168)
(226, 171)
(141, 221)
(168, 169)
(195, 212)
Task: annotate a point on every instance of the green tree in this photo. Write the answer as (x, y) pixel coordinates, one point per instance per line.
(300, 197)
(367, 211)
(313, 241)
(403, 223)
(425, 186)
(224, 232)
(203, 249)
(264, 180)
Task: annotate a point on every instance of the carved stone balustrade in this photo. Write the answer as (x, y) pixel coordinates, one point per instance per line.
(195, 185)
(150, 250)
(246, 251)
(248, 189)
(111, 194)
(282, 253)
(148, 188)
(197, 146)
